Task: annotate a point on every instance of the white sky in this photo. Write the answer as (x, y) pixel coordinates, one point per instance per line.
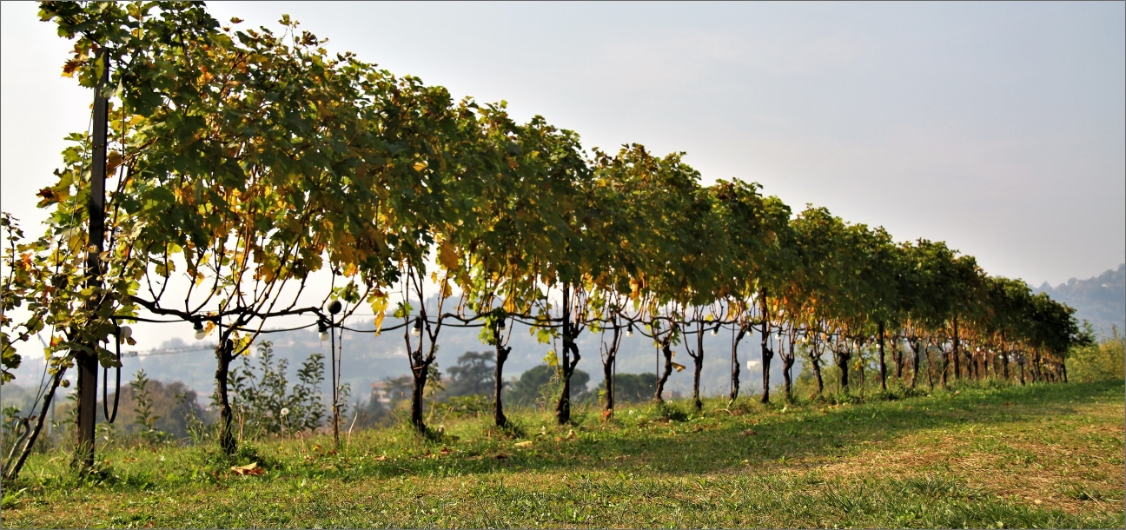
(997, 127)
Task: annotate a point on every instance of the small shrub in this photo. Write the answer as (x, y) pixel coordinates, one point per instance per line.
(263, 403)
(1098, 362)
(11, 429)
(145, 419)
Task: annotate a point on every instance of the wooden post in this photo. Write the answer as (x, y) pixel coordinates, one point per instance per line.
(95, 206)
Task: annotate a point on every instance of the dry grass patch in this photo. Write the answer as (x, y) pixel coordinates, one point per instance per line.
(1067, 466)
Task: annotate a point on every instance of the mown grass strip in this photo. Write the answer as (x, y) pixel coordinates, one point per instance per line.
(1035, 456)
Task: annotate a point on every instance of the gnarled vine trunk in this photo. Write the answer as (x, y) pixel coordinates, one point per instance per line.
(957, 350)
(815, 362)
(842, 358)
(767, 353)
(735, 362)
(787, 372)
(915, 346)
(608, 377)
(570, 359)
(698, 365)
(666, 351)
(12, 469)
(897, 355)
(224, 356)
(419, 372)
(883, 362)
(502, 355)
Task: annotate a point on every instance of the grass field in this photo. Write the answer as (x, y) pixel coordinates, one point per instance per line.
(1035, 456)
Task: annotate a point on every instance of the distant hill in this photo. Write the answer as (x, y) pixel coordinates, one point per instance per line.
(1100, 300)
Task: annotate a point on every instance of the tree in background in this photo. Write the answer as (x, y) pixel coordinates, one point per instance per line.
(541, 385)
(472, 375)
(632, 388)
(172, 405)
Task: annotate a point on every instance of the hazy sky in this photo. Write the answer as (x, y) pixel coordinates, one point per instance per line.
(999, 128)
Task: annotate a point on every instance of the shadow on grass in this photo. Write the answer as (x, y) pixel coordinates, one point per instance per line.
(717, 443)
(722, 439)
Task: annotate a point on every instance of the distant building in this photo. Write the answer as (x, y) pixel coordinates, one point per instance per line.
(381, 392)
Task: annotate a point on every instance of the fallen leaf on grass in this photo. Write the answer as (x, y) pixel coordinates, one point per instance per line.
(381, 458)
(571, 434)
(249, 469)
(524, 444)
(749, 432)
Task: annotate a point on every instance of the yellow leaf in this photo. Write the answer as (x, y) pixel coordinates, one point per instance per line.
(678, 367)
(524, 444)
(447, 257)
(113, 160)
(419, 166)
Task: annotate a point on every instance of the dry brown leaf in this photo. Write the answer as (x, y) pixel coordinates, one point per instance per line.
(749, 432)
(524, 444)
(250, 469)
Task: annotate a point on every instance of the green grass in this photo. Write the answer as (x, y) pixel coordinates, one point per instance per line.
(1035, 456)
